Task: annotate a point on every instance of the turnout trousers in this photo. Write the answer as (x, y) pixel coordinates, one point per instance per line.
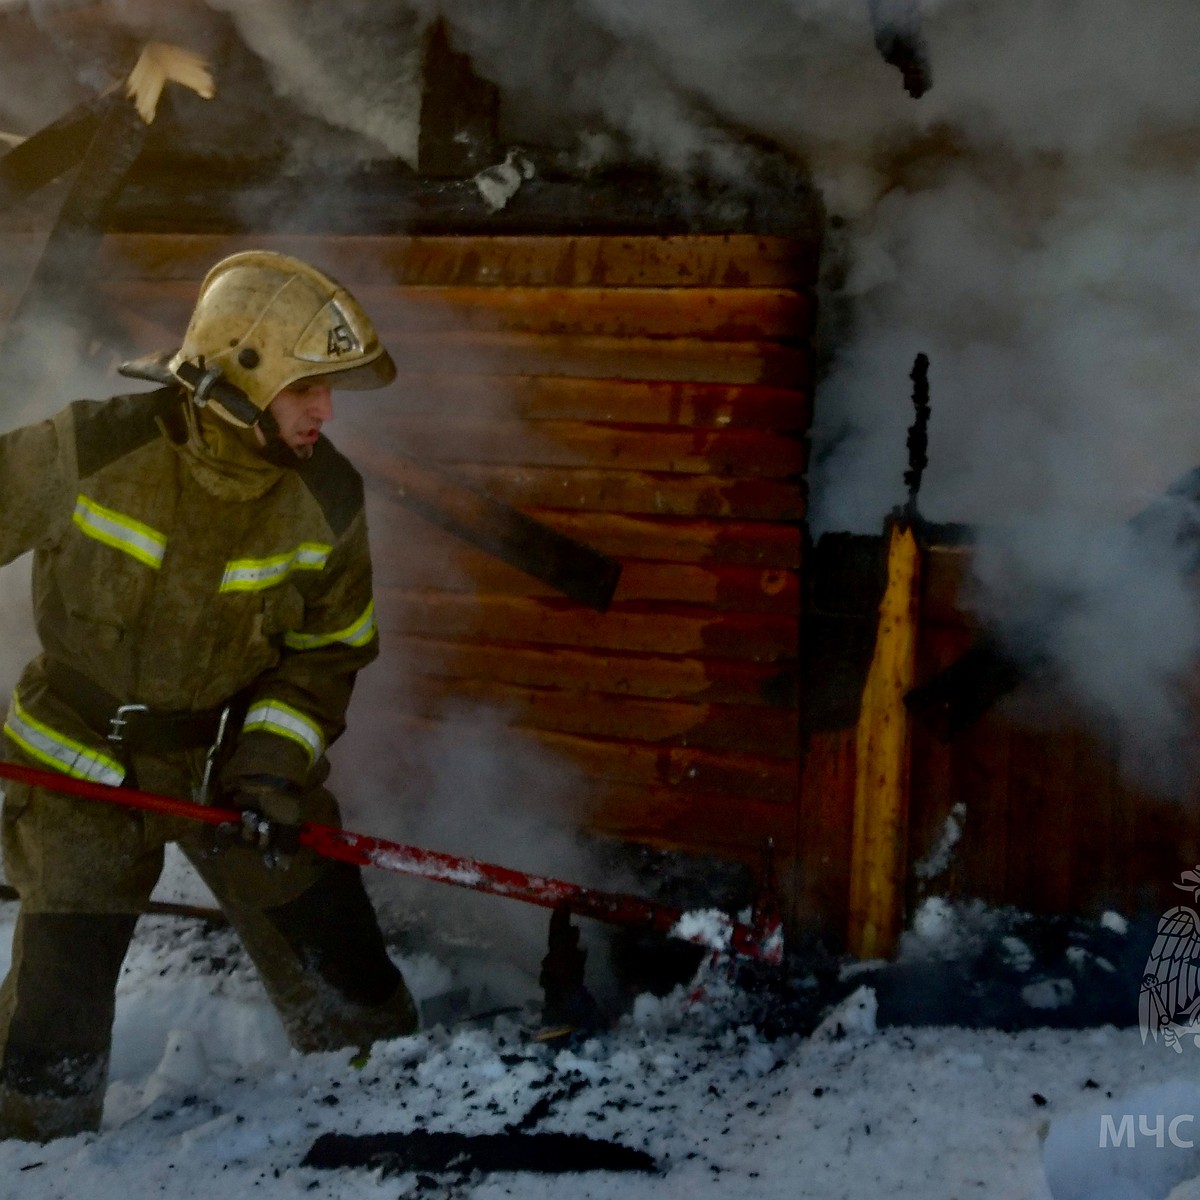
(85, 870)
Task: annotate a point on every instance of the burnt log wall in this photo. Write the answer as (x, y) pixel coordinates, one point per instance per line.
(648, 396)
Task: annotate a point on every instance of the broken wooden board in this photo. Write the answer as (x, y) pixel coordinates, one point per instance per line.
(464, 1153)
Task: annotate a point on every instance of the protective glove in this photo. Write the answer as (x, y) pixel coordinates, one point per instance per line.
(270, 810)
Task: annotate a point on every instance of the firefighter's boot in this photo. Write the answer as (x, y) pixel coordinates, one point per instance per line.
(56, 1013)
(325, 966)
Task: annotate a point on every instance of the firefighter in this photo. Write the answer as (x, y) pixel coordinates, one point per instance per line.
(202, 596)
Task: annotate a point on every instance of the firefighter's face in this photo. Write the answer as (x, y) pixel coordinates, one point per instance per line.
(300, 411)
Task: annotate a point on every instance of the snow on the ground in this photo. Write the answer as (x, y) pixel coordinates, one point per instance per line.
(206, 1098)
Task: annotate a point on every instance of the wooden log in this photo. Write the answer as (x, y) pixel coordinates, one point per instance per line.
(878, 864)
(53, 293)
(668, 539)
(734, 827)
(719, 314)
(744, 454)
(615, 765)
(676, 359)
(675, 539)
(613, 672)
(657, 629)
(52, 151)
(668, 359)
(602, 401)
(981, 760)
(772, 731)
(825, 821)
(407, 561)
(635, 492)
(693, 260)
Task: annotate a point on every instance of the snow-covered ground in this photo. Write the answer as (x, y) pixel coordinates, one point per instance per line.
(206, 1099)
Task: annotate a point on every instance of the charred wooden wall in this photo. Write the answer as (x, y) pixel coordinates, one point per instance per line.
(1051, 822)
(646, 395)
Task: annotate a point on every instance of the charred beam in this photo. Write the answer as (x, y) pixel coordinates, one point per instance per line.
(53, 296)
(53, 151)
(575, 569)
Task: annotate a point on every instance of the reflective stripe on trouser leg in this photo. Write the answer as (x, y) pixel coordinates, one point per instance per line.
(56, 1014)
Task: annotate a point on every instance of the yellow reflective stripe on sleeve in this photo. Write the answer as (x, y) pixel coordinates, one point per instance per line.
(57, 750)
(274, 716)
(256, 574)
(119, 531)
(357, 634)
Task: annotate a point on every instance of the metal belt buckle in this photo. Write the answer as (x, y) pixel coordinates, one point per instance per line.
(120, 719)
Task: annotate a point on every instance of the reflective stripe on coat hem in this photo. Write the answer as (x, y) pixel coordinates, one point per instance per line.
(56, 750)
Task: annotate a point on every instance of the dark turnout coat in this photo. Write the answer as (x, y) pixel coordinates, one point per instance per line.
(171, 579)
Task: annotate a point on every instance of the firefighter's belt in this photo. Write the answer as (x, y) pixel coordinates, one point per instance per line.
(132, 726)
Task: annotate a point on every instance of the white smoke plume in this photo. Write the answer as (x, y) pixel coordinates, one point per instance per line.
(1028, 223)
(357, 63)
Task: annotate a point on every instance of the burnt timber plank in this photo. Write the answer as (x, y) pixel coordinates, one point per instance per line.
(771, 732)
(665, 818)
(639, 492)
(505, 261)
(602, 401)
(687, 360)
(568, 566)
(401, 561)
(51, 152)
(720, 314)
(680, 539)
(1040, 817)
(614, 672)
(744, 454)
(981, 762)
(660, 629)
(825, 822)
(693, 770)
(52, 294)
(762, 544)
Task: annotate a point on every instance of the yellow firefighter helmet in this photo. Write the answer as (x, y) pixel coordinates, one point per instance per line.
(263, 321)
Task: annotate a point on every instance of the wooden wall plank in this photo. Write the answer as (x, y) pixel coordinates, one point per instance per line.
(405, 561)
(686, 360)
(689, 769)
(771, 731)
(825, 822)
(675, 539)
(660, 629)
(720, 314)
(602, 401)
(668, 539)
(620, 673)
(737, 260)
(746, 454)
(636, 492)
(733, 827)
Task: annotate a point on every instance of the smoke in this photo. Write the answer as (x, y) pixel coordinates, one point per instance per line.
(1028, 223)
(356, 63)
